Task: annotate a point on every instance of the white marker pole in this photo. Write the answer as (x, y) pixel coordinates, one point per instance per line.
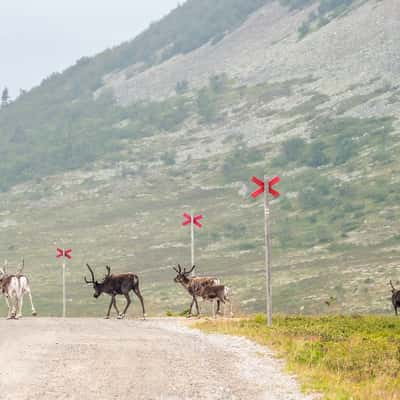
(64, 311)
(268, 246)
(192, 240)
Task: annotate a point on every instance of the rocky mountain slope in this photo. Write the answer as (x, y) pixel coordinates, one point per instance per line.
(105, 158)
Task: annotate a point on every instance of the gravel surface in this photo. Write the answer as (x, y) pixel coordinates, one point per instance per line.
(132, 359)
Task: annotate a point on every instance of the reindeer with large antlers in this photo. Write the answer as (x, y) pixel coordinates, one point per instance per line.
(395, 298)
(14, 287)
(206, 287)
(113, 285)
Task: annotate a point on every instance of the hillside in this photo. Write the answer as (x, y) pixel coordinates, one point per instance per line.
(105, 157)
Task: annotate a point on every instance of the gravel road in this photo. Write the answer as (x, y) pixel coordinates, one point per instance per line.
(49, 358)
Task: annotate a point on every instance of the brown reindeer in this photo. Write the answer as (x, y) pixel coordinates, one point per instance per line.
(118, 284)
(208, 288)
(395, 298)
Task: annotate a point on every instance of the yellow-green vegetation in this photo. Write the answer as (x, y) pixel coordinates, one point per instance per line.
(343, 357)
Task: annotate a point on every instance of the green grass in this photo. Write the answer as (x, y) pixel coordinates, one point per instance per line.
(343, 357)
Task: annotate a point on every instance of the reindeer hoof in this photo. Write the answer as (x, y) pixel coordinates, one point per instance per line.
(34, 313)
(107, 317)
(11, 317)
(121, 316)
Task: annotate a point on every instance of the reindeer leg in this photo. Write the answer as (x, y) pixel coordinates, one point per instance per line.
(139, 295)
(197, 306)
(191, 307)
(14, 305)
(109, 307)
(34, 313)
(115, 305)
(20, 301)
(218, 307)
(9, 308)
(128, 302)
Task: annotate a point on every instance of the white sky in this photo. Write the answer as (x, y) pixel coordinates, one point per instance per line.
(38, 37)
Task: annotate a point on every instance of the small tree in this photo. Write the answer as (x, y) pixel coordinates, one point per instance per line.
(168, 158)
(317, 156)
(182, 87)
(5, 97)
(345, 149)
(218, 83)
(293, 149)
(207, 106)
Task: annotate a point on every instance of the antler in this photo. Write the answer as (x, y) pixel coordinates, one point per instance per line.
(21, 267)
(91, 273)
(108, 271)
(5, 266)
(188, 272)
(391, 284)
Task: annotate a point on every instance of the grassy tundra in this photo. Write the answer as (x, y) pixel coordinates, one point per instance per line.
(343, 357)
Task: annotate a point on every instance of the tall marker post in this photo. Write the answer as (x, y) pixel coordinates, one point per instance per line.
(192, 220)
(66, 254)
(267, 230)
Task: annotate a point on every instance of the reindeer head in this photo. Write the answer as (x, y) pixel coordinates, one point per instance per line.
(182, 276)
(21, 266)
(3, 271)
(394, 290)
(97, 286)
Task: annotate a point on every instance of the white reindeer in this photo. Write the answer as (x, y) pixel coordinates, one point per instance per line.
(14, 287)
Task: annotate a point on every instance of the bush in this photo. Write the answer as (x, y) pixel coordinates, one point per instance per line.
(235, 231)
(293, 149)
(317, 156)
(206, 106)
(182, 87)
(168, 158)
(345, 149)
(304, 29)
(218, 83)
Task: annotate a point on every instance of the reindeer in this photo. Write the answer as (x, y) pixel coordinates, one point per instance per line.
(220, 293)
(114, 285)
(208, 288)
(14, 287)
(395, 298)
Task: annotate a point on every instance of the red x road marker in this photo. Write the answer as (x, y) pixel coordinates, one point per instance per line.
(261, 185)
(195, 221)
(64, 253)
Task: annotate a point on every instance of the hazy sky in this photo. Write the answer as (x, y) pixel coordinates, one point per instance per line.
(38, 37)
